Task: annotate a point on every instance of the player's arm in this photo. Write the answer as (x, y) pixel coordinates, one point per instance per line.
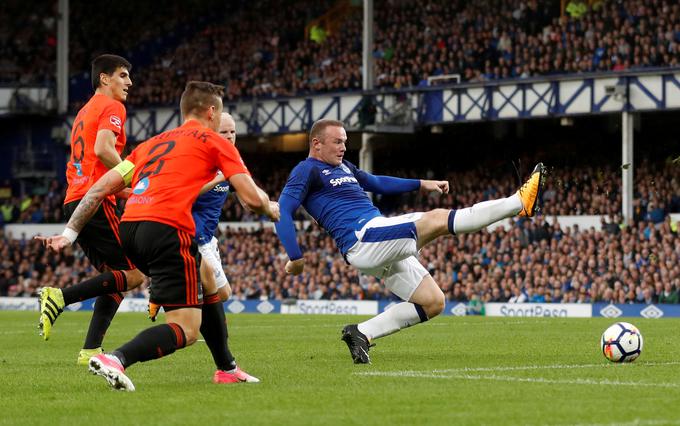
(438, 186)
(112, 182)
(124, 194)
(105, 148)
(285, 229)
(219, 178)
(254, 198)
(393, 185)
(243, 204)
(385, 184)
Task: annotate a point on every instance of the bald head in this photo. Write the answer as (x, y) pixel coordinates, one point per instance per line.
(228, 128)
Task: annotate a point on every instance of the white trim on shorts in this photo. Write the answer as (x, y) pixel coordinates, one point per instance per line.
(387, 248)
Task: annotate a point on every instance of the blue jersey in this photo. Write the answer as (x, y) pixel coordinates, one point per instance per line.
(334, 197)
(206, 212)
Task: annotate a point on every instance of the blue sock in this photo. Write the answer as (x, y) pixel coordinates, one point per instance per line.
(452, 216)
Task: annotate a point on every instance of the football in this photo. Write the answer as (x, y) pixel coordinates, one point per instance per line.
(622, 342)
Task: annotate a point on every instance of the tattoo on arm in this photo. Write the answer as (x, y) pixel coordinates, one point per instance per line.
(108, 184)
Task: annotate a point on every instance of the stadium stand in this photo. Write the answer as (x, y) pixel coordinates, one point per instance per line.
(480, 41)
(257, 54)
(571, 190)
(27, 43)
(536, 260)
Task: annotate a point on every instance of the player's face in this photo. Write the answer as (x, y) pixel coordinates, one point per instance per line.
(333, 146)
(228, 128)
(120, 83)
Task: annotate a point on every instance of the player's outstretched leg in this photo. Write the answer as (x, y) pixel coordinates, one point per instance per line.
(53, 300)
(51, 305)
(531, 193)
(526, 202)
(110, 368)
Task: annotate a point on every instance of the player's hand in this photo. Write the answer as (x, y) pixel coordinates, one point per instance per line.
(438, 186)
(124, 194)
(295, 267)
(55, 243)
(274, 213)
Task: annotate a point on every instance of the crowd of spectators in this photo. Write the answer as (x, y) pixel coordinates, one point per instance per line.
(570, 190)
(28, 35)
(259, 49)
(28, 43)
(481, 40)
(579, 190)
(521, 261)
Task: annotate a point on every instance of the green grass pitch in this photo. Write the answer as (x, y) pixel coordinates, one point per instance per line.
(452, 370)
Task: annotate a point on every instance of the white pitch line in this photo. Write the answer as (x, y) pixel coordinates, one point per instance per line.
(634, 422)
(576, 381)
(545, 367)
(494, 377)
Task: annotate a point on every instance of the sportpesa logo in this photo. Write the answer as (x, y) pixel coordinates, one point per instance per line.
(340, 181)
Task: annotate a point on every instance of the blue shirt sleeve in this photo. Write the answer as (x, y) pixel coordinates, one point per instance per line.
(299, 181)
(387, 185)
(292, 196)
(285, 228)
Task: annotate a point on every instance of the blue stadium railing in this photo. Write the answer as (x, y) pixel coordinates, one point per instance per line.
(547, 96)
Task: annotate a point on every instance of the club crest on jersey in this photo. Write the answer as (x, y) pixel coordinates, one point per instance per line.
(141, 186)
(116, 121)
(344, 168)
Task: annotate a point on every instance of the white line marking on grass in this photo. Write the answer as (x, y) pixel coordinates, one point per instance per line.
(498, 378)
(547, 367)
(576, 381)
(635, 422)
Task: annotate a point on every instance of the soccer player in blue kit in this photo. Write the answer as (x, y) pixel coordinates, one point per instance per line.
(206, 214)
(333, 191)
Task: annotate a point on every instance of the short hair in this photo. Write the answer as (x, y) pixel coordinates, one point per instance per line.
(107, 64)
(319, 127)
(198, 96)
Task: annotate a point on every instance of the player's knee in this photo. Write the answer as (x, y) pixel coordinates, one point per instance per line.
(436, 305)
(191, 334)
(224, 292)
(134, 278)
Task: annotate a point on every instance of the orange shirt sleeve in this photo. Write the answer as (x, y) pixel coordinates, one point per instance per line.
(112, 118)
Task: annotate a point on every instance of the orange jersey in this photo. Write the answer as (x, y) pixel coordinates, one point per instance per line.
(170, 170)
(84, 168)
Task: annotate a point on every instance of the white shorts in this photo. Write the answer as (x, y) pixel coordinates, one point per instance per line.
(387, 248)
(210, 252)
